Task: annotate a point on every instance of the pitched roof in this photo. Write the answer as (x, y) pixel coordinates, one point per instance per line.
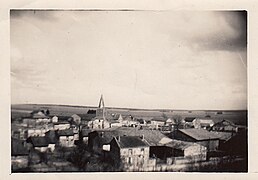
(181, 145)
(75, 116)
(65, 132)
(204, 121)
(189, 119)
(52, 136)
(223, 135)
(153, 137)
(85, 132)
(199, 134)
(131, 142)
(38, 141)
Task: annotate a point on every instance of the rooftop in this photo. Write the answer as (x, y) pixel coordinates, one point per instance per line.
(131, 142)
(199, 134)
(65, 132)
(181, 145)
(38, 141)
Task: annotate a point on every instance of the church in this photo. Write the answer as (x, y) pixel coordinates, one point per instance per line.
(100, 121)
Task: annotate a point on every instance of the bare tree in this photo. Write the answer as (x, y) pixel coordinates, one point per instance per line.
(178, 120)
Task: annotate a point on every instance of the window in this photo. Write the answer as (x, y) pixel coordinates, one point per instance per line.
(130, 160)
(130, 151)
(142, 150)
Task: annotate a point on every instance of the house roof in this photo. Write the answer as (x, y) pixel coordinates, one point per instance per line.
(65, 132)
(75, 116)
(189, 119)
(223, 135)
(180, 145)
(131, 142)
(225, 123)
(38, 141)
(199, 134)
(153, 137)
(85, 132)
(17, 148)
(52, 136)
(204, 121)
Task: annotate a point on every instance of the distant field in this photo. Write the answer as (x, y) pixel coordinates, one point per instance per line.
(21, 110)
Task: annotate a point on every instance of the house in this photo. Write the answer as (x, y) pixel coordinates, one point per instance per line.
(36, 132)
(29, 122)
(201, 136)
(225, 126)
(129, 152)
(18, 131)
(98, 123)
(84, 135)
(99, 138)
(192, 152)
(203, 123)
(52, 139)
(188, 122)
(157, 122)
(67, 137)
(61, 125)
(54, 119)
(76, 118)
(19, 154)
(39, 143)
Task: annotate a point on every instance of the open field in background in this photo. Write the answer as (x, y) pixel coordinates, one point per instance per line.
(23, 110)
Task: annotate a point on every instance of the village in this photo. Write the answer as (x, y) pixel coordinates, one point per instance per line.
(103, 141)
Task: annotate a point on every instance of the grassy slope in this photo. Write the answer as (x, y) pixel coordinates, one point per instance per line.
(239, 117)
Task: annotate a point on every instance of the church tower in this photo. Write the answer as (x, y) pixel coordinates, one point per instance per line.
(101, 110)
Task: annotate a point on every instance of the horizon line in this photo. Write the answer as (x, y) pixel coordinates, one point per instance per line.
(133, 108)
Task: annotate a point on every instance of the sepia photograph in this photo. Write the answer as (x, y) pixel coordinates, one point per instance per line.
(128, 91)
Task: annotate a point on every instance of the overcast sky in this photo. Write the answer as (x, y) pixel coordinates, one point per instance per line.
(140, 59)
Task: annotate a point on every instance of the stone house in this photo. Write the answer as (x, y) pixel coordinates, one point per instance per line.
(129, 152)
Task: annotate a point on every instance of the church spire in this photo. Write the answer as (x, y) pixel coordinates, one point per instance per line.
(101, 102)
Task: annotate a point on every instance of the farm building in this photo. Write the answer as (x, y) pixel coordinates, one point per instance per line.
(99, 138)
(129, 152)
(84, 135)
(201, 136)
(39, 143)
(67, 137)
(19, 154)
(203, 123)
(225, 126)
(192, 152)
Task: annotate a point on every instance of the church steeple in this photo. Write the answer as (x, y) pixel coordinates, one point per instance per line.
(101, 111)
(101, 102)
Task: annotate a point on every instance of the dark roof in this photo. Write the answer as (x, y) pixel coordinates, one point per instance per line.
(65, 132)
(189, 119)
(38, 141)
(199, 134)
(225, 123)
(180, 145)
(225, 136)
(153, 137)
(131, 142)
(85, 132)
(52, 136)
(18, 148)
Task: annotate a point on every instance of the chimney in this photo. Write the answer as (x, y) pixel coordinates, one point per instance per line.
(118, 138)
